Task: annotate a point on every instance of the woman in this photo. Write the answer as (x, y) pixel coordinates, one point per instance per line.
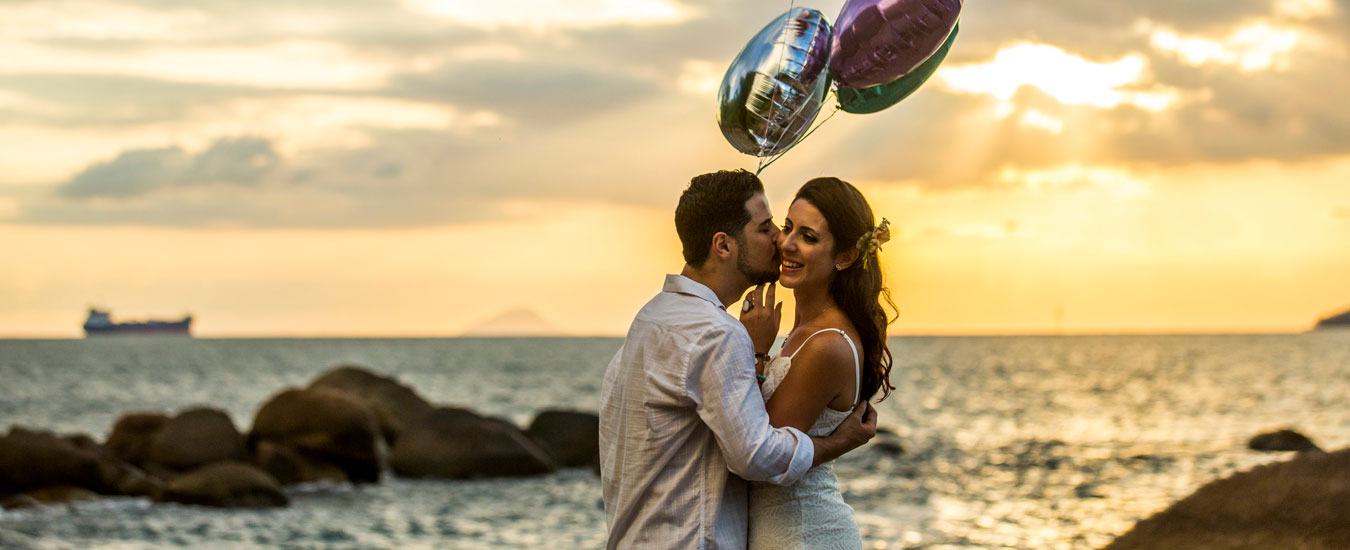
(834, 358)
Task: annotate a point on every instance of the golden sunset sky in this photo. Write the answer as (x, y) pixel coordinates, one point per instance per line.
(420, 167)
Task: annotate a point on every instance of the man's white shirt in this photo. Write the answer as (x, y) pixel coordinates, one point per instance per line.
(681, 417)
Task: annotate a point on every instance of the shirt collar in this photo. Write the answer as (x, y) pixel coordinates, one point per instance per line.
(684, 285)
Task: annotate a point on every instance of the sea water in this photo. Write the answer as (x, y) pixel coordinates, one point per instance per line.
(1010, 442)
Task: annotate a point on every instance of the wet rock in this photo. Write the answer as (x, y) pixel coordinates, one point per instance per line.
(887, 442)
(289, 467)
(195, 438)
(1301, 503)
(1282, 440)
(131, 435)
(322, 424)
(1087, 490)
(395, 405)
(572, 438)
(32, 460)
(61, 493)
(228, 485)
(452, 443)
(16, 502)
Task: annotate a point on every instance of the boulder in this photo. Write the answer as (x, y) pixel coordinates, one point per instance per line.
(451, 443)
(33, 460)
(1282, 440)
(61, 493)
(195, 438)
(323, 424)
(1301, 503)
(572, 438)
(289, 467)
(395, 405)
(887, 442)
(131, 435)
(228, 485)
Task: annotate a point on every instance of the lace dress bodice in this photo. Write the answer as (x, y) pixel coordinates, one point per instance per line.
(810, 514)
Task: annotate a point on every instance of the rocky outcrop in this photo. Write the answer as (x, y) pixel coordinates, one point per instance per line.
(32, 460)
(887, 442)
(1282, 440)
(228, 485)
(289, 467)
(195, 438)
(131, 435)
(451, 443)
(1301, 503)
(395, 405)
(572, 438)
(324, 425)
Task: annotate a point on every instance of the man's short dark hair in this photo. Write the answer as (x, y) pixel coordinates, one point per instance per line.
(713, 203)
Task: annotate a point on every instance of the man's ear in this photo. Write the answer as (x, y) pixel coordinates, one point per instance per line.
(723, 245)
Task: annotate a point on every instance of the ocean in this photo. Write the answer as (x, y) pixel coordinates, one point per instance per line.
(1053, 442)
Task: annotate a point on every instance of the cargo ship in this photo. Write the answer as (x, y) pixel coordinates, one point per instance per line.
(100, 323)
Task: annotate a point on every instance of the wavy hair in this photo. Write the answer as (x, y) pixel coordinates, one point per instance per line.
(858, 291)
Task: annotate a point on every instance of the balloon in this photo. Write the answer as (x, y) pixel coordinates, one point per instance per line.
(876, 98)
(879, 41)
(775, 87)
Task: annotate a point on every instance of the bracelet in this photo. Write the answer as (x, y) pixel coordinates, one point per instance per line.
(760, 377)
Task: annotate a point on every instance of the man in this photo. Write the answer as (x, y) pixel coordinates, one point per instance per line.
(681, 415)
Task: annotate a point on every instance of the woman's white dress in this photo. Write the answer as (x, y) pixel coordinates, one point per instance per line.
(810, 514)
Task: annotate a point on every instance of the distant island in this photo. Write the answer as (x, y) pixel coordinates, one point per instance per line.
(517, 322)
(1340, 320)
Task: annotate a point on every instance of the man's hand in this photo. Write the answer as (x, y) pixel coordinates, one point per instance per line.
(764, 317)
(859, 428)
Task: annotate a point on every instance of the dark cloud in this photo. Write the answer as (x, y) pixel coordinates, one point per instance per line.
(238, 161)
(535, 92)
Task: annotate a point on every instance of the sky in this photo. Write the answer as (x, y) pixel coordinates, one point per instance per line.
(432, 167)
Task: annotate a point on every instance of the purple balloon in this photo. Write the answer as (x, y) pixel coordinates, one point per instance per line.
(878, 41)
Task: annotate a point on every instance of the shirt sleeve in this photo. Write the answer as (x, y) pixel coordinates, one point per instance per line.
(722, 385)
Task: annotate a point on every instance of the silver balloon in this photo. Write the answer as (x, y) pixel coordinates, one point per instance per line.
(775, 87)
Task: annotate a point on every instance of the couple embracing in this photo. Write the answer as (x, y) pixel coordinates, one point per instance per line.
(707, 441)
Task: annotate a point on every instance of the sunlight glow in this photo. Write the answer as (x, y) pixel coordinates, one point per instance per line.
(1303, 9)
(1255, 47)
(700, 78)
(1038, 119)
(545, 14)
(1114, 181)
(1067, 77)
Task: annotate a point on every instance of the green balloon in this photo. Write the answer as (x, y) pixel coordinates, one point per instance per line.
(876, 98)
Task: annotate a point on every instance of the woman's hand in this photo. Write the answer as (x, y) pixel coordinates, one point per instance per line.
(762, 321)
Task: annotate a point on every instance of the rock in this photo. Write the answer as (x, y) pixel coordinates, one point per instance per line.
(131, 435)
(228, 485)
(453, 443)
(323, 424)
(887, 442)
(289, 467)
(33, 460)
(1300, 503)
(61, 493)
(572, 438)
(15, 502)
(195, 438)
(1282, 440)
(395, 405)
(1087, 490)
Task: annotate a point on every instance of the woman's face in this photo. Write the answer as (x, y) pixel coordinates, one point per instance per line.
(807, 247)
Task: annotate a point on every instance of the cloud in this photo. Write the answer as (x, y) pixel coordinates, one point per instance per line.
(239, 161)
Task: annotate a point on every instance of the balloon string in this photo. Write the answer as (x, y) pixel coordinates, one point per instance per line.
(837, 108)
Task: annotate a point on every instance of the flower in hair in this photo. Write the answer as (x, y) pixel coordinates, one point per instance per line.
(870, 242)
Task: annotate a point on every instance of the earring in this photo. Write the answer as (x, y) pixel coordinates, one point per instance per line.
(839, 267)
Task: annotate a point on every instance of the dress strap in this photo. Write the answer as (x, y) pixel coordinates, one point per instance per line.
(857, 368)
